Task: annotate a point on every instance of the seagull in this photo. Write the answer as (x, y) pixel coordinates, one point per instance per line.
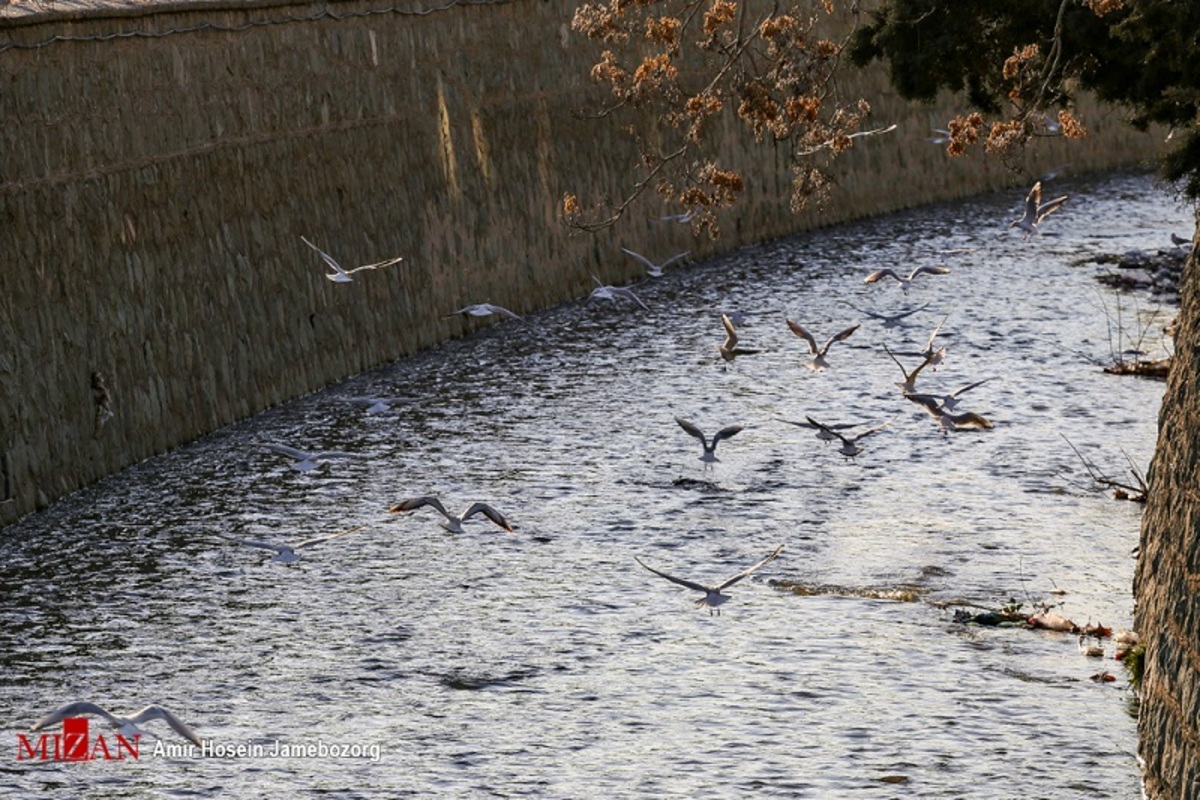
(125, 726)
(615, 293)
(485, 310)
(949, 421)
(729, 349)
(826, 433)
(889, 320)
(340, 275)
(453, 523)
(656, 270)
(1179, 241)
(849, 446)
(286, 553)
(306, 461)
(906, 283)
(685, 218)
(909, 384)
(712, 594)
(943, 136)
(950, 401)
(710, 450)
(377, 405)
(1036, 211)
(818, 362)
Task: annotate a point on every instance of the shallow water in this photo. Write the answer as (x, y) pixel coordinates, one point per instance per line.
(547, 662)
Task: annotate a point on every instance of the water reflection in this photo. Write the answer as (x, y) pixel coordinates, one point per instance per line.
(547, 661)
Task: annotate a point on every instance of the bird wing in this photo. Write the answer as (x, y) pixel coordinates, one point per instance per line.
(326, 538)
(799, 330)
(935, 333)
(876, 429)
(73, 710)
(413, 503)
(674, 258)
(969, 419)
(931, 404)
(278, 548)
(325, 256)
(387, 262)
(939, 269)
(731, 337)
(177, 725)
(1049, 207)
(682, 582)
(726, 432)
(629, 293)
(968, 387)
(299, 455)
(910, 312)
(812, 422)
(649, 264)
(489, 512)
(692, 430)
(744, 573)
(880, 274)
(332, 454)
(1033, 200)
(505, 312)
(842, 336)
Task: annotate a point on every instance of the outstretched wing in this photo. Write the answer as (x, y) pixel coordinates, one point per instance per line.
(842, 336)
(880, 274)
(387, 262)
(650, 265)
(813, 423)
(968, 387)
(299, 455)
(689, 584)
(748, 571)
(970, 419)
(692, 430)
(799, 330)
(925, 269)
(328, 259)
(72, 710)
(278, 548)
(326, 538)
(489, 512)
(876, 429)
(1049, 207)
(177, 725)
(726, 432)
(731, 337)
(931, 404)
(413, 503)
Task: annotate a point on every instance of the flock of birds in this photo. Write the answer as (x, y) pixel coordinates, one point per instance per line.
(942, 407)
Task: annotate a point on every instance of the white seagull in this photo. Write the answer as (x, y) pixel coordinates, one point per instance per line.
(818, 362)
(826, 433)
(849, 446)
(307, 461)
(710, 449)
(713, 597)
(948, 420)
(453, 523)
(1036, 211)
(377, 405)
(656, 270)
(614, 293)
(341, 275)
(909, 384)
(126, 726)
(485, 310)
(286, 553)
(906, 282)
(729, 349)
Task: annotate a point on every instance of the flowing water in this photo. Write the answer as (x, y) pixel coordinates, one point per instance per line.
(547, 662)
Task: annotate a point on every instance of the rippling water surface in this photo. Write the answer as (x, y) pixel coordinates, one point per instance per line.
(548, 662)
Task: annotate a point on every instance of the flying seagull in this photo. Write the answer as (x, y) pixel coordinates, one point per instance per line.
(1036, 211)
(125, 726)
(713, 597)
(849, 446)
(614, 293)
(286, 553)
(656, 270)
(818, 362)
(948, 420)
(826, 433)
(710, 449)
(950, 401)
(306, 461)
(906, 282)
(452, 523)
(485, 310)
(909, 384)
(340, 275)
(729, 349)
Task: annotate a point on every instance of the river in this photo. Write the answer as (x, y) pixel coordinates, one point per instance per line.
(547, 662)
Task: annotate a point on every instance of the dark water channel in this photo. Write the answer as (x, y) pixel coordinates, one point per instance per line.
(548, 662)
